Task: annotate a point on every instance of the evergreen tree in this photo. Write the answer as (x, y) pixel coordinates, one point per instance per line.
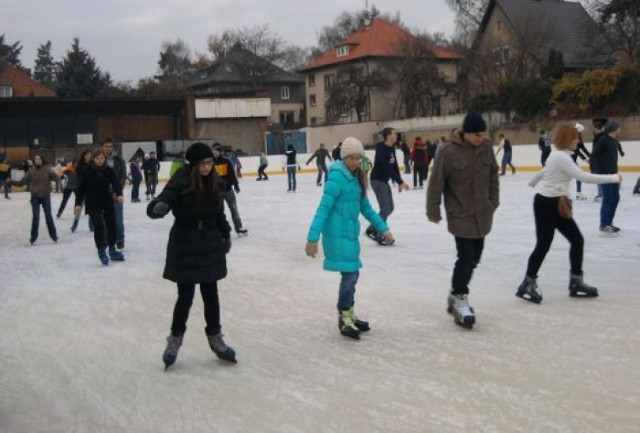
(79, 77)
(10, 53)
(45, 68)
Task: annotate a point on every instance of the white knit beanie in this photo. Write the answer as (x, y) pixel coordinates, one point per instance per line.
(350, 146)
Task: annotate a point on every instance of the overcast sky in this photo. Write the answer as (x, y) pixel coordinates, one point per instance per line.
(125, 36)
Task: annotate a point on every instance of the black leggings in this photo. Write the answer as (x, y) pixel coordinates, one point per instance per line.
(209, 294)
(104, 227)
(545, 210)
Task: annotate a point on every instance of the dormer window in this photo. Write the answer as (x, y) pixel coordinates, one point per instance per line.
(342, 51)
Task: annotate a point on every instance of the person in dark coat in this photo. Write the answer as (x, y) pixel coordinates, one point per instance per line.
(605, 158)
(98, 189)
(198, 243)
(465, 175)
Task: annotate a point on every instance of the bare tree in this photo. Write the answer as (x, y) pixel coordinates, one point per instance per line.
(350, 93)
(620, 21)
(422, 87)
(262, 42)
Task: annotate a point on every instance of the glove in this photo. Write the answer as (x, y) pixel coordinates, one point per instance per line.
(388, 237)
(226, 243)
(311, 249)
(159, 209)
(236, 188)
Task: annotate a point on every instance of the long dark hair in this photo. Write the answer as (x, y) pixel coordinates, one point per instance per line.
(199, 185)
(81, 164)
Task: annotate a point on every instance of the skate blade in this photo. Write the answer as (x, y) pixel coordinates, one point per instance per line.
(529, 298)
(582, 295)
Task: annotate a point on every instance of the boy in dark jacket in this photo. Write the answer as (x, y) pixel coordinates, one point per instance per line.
(385, 167)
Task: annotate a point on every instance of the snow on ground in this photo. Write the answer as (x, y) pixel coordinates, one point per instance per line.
(81, 343)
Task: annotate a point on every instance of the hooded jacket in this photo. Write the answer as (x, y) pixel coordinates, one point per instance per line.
(337, 220)
(467, 177)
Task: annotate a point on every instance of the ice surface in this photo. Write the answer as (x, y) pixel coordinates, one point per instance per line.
(81, 344)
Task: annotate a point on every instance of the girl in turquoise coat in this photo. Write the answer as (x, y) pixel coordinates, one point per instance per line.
(343, 200)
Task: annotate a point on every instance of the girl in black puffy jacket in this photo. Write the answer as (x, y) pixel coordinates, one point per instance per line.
(197, 248)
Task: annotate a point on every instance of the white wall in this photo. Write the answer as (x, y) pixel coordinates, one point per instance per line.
(525, 157)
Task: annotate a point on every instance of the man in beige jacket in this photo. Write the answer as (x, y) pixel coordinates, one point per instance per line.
(466, 174)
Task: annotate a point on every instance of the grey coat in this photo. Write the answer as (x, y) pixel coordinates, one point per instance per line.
(467, 176)
(39, 180)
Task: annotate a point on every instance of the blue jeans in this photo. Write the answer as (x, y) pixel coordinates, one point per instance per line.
(45, 202)
(347, 289)
(610, 199)
(291, 178)
(118, 209)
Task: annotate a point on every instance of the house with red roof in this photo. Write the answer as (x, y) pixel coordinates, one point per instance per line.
(17, 83)
(367, 76)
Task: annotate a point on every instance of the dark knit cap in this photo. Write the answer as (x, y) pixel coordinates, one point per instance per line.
(473, 122)
(611, 126)
(197, 152)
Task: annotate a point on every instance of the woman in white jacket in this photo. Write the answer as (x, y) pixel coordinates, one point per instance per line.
(553, 182)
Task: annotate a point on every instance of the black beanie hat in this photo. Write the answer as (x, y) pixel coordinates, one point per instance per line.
(197, 152)
(611, 126)
(473, 122)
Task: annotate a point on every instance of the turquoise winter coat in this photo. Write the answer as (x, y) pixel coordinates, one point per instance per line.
(337, 220)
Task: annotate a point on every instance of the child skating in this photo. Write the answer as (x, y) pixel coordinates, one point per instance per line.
(343, 200)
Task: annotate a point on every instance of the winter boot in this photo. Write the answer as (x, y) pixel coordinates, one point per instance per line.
(463, 314)
(528, 290)
(74, 226)
(346, 324)
(115, 255)
(102, 253)
(171, 352)
(221, 350)
(577, 288)
(362, 325)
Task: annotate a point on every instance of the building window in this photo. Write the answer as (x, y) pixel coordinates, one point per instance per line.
(501, 55)
(284, 92)
(499, 25)
(314, 121)
(329, 81)
(6, 91)
(312, 100)
(286, 119)
(312, 80)
(342, 51)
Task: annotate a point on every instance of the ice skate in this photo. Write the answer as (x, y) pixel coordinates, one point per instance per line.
(74, 226)
(171, 352)
(528, 290)
(608, 232)
(463, 314)
(362, 325)
(371, 234)
(221, 350)
(581, 196)
(347, 325)
(115, 255)
(578, 289)
(102, 253)
(241, 231)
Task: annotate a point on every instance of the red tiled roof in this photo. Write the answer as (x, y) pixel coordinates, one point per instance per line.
(380, 39)
(23, 85)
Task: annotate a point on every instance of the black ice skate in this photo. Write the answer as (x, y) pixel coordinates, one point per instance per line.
(171, 352)
(528, 290)
(242, 231)
(463, 314)
(221, 350)
(578, 289)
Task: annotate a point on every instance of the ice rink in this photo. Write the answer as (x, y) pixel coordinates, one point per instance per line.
(81, 344)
